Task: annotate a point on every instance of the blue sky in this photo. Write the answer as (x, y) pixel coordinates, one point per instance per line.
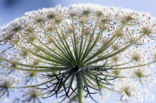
(11, 10)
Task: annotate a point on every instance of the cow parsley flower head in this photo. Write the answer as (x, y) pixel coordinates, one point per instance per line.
(76, 52)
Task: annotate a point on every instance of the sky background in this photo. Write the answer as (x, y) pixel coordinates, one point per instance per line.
(11, 9)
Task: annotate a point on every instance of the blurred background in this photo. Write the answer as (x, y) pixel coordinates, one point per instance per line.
(11, 9)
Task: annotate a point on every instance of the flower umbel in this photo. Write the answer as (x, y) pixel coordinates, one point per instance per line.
(75, 52)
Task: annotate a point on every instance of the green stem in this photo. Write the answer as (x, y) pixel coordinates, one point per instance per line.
(80, 85)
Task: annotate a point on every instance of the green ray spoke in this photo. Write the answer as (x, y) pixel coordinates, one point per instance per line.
(91, 44)
(26, 65)
(31, 86)
(135, 66)
(106, 45)
(35, 70)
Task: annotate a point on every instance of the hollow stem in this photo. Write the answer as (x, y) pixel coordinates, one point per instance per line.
(80, 86)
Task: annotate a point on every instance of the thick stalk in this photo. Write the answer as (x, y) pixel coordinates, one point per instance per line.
(80, 86)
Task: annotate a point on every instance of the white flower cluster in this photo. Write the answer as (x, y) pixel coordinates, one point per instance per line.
(127, 39)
